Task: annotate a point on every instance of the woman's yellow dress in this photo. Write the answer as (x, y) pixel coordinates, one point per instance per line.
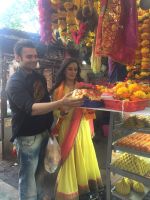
(80, 173)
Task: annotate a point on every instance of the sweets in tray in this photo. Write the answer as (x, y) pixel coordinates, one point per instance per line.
(133, 164)
(126, 185)
(137, 121)
(92, 97)
(138, 141)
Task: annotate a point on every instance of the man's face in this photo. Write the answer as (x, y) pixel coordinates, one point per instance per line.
(28, 58)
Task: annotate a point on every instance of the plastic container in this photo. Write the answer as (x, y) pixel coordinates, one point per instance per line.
(106, 95)
(127, 106)
(92, 104)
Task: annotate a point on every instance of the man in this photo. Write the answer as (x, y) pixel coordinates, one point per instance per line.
(31, 117)
(116, 71)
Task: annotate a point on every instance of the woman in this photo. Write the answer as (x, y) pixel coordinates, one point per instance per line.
(79, 175)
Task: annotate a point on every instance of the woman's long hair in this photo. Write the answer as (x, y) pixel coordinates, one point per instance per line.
(61, 73)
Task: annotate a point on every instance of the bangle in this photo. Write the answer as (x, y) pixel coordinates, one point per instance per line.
(63, 113)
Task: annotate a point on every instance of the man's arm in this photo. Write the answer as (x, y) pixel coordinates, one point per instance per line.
(23, 101)
(43, 108)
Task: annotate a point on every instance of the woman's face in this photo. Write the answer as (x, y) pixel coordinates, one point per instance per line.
(71, 71)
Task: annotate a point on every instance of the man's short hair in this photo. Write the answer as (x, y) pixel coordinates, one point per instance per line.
(24, 43)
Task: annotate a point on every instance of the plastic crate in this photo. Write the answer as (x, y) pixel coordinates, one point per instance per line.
(127, 106)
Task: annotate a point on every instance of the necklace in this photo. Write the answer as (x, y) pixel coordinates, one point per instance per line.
(70, 88)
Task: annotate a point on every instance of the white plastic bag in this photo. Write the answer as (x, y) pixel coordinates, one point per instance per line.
(52, 155)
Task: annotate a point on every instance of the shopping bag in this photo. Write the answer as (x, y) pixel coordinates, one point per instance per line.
(52, 155)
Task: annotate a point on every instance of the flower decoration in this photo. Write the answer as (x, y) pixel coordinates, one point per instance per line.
(140, 94)
(140, 69)
(80, 34)
(122, 93)
(131, 90)
(89, 40)
(44, 7)
(59, 20)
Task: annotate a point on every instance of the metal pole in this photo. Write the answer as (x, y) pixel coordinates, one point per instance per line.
(2, 97)
(1, 90)
(109, 155)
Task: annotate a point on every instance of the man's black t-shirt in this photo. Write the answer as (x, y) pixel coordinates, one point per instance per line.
(23, 90)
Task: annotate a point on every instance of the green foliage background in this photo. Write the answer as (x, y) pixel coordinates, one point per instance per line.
(19, 13)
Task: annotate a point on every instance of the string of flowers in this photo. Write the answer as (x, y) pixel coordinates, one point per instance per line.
(44, 7)
(67, 21)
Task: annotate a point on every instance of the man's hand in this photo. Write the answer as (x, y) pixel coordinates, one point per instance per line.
(68, 101)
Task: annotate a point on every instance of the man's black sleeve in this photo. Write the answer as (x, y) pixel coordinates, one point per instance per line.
(19, 96)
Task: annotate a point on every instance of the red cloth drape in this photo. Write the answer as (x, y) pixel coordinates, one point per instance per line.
(117, 31)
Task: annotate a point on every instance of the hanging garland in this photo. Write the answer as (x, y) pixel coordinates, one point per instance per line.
(70, 21)
(140, 70)
(44, 7)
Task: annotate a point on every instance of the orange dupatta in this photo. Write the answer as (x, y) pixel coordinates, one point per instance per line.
(73, 127)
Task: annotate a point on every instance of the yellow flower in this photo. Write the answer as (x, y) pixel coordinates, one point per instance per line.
(145, 50)
(129, 81)
(140, 94)
(120, 84)
(122, 90)
(91, 34)
(133, 87)
(148, 96)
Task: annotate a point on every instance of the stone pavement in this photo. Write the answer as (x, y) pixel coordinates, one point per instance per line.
(9, 172)
(7, 192)
(8, 180)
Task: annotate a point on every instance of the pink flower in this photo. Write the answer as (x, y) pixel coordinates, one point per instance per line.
(79, 35)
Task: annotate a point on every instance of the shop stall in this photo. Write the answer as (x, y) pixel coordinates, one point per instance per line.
(119, 30)
(116, 29)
